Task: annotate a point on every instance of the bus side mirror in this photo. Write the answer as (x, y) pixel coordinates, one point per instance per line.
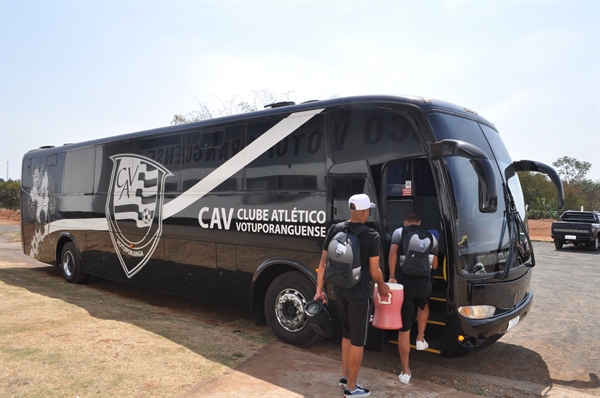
(488, 195)
(532, 165)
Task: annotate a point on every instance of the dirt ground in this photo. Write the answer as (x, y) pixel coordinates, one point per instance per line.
(10, 216)
(539, 230)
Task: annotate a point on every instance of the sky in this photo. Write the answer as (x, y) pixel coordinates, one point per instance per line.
(73, 71)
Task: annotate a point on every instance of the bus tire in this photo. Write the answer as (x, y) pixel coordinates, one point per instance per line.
(70, 265)
(286, 298)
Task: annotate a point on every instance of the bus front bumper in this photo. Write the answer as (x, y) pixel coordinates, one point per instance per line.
(476, 333)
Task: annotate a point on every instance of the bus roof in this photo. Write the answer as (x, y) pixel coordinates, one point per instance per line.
(424, 104)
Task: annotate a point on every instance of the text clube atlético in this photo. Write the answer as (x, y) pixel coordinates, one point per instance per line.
(268, 221)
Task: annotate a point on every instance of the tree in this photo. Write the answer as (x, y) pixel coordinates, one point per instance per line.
(539, 194)
(579, 191)
(236, 104)
(571, 170)
(574, 198)
(591, 192)
(10, 194)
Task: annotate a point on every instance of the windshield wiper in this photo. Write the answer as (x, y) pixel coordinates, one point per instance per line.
(508, 224)
(514, 224)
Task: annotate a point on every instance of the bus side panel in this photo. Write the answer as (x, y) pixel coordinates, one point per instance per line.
(226, 274)
(100, 259)
(191, 269)
(250, 257)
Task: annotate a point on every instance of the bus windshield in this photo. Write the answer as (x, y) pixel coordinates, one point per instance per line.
(485, 240)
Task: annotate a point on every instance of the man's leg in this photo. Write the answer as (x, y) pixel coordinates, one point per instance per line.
(354, 360)
(422, 318)
(404, 350)
(345, 357)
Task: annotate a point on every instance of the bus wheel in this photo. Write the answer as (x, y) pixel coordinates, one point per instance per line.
(70, 264)
(286, 298)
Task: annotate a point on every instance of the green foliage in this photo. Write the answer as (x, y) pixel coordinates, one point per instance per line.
(10, 194)
(540, 194)
(571, 170)
(541, 209)
(574, 199)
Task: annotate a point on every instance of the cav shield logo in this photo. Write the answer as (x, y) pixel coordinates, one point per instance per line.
(134, 209)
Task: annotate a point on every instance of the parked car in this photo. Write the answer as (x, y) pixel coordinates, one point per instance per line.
(577, 228)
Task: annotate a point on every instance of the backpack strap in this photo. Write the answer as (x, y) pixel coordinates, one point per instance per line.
(403, 242)
(345, 226)
(360, 229)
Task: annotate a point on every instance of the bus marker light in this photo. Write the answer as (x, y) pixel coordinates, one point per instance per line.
(477, 311)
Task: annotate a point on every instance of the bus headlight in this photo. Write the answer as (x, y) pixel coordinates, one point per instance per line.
(477, 311)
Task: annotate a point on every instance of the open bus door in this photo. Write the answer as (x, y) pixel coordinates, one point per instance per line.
(347, 179)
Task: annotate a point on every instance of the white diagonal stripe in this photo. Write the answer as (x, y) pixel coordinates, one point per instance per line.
(275, 134)
(278, 132)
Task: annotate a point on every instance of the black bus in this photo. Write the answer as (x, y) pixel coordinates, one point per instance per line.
(233, 211)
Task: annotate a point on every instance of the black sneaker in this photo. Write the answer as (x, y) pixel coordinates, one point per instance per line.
(359, 391)
(343, 382)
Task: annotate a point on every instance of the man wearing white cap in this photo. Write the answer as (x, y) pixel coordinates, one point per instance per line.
(354, 304)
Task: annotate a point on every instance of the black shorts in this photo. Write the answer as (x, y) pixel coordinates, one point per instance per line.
(413, 296)
(354, 314)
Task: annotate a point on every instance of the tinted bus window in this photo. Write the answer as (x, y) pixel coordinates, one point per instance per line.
(204, 151)
(296, 163)
(457, 128)
(79, 172)
(378, 133)
(166, 150)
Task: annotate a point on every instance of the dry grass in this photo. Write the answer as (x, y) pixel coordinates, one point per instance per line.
(106, 339)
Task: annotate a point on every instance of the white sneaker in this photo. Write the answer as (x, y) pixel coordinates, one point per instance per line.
(404, 379)
(422, 345)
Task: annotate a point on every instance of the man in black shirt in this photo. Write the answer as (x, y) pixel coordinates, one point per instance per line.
(354, 304)
(417, 289)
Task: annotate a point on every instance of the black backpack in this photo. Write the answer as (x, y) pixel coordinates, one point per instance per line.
(343, 256)
(415, 263)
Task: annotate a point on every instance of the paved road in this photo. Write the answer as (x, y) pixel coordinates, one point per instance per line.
(556, 347)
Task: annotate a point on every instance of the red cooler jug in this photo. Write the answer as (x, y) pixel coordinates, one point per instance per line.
(387, 309)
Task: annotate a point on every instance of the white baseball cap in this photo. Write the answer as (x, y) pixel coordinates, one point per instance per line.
(361, 202)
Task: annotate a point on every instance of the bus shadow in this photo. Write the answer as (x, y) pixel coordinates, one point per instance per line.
(180, 320)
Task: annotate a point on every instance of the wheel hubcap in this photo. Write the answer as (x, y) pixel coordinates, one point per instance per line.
(68, 263)
(289, 309)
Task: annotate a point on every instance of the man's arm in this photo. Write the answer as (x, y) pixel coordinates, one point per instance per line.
(392, 259)
(377, 276)
(434, 263)
(320, 293)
